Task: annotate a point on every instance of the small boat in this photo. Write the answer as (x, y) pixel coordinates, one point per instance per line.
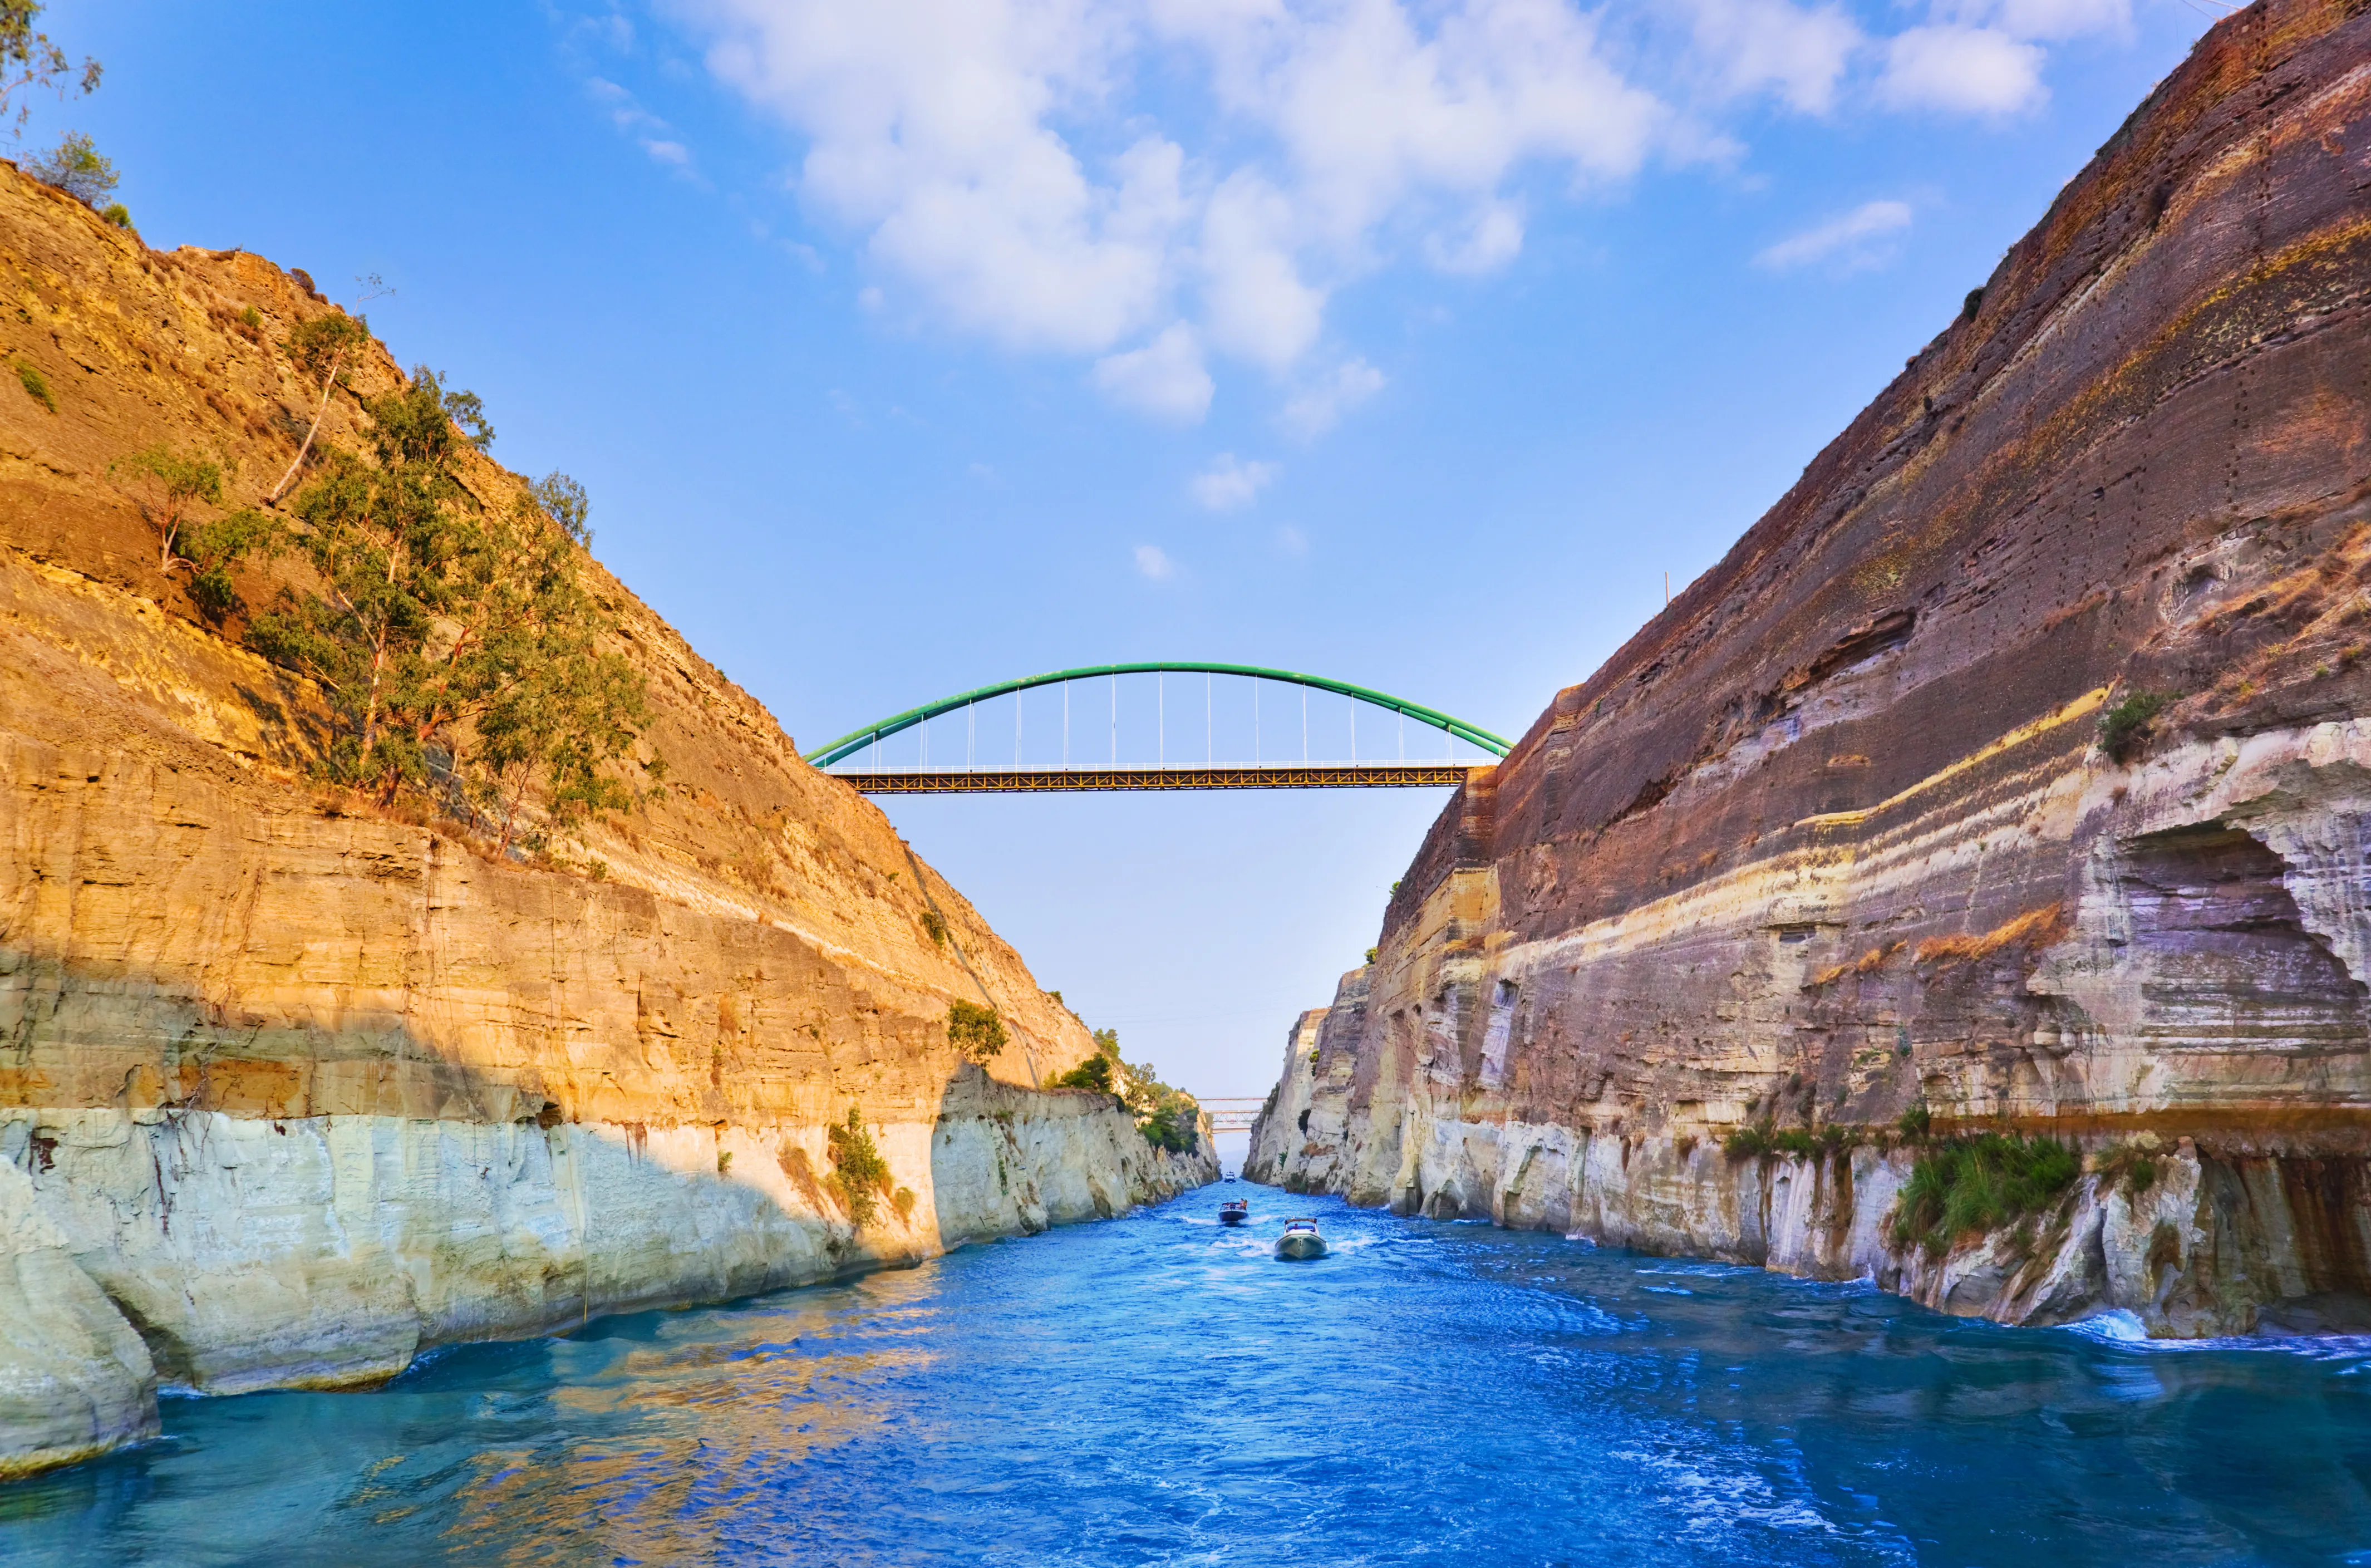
(1300, 1241)
(1235, 1212)
(1230, 1176)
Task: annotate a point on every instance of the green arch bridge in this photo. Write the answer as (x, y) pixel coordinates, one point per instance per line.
(844, 757)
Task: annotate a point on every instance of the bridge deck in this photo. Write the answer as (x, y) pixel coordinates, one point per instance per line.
(1032, 781)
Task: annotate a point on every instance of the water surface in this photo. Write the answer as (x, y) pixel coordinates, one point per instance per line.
(1157, 1390)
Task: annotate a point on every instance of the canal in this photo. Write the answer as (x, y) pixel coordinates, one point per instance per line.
(1158, 1389)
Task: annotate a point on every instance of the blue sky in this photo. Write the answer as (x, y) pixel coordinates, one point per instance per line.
(908, 345)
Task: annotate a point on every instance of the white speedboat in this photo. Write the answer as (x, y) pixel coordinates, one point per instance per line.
(1300, 1241)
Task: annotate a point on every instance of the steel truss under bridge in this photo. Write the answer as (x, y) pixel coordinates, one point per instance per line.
(873, 778)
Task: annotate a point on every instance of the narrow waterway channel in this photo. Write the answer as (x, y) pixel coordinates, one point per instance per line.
(1157, 1390)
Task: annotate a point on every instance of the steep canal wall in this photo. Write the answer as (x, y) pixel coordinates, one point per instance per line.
(2012, 774)
(295, 1081)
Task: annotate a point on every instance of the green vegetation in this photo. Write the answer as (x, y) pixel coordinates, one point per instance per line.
(28, 59)
(1971, 1186)
(2129, 1165)
(1095, 1072)
(1916, 1121)
(322, 350)
(2124, 727)
(36, 385)
(438, 624)
(1370, 954)
(74, 166)
(167, 486)
(117, 214)
(859, 1177)
(1764, 1138)
(975, 1030)
(936, 925)
(1167, 1117)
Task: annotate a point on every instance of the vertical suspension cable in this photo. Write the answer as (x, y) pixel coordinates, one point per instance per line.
(971, 732)
(1305, 725)
(1403, 736)
(1066, 724)
(1209, 755)
(1354, 732)
(1115, 762)
(1017, 698)
(1161, 719)
(1256, 760)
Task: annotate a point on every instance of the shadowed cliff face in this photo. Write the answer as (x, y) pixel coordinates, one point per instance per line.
(1834, 835)
(298, 1084)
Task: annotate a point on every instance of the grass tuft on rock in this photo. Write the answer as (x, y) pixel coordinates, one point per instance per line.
(1975, 1185)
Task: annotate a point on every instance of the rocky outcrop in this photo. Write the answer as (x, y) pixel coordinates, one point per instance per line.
(1872, 821)
(294, 1084)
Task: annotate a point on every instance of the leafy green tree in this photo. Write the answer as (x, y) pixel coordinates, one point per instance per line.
(324, 350)
(439, 624)
(858, 1169)
(27, 58)
(74, 166)
(1166, 1116)
(166, 485)
(975, 1030)
(1095, 1072)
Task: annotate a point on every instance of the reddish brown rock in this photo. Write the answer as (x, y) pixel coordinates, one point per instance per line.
(1837, 833)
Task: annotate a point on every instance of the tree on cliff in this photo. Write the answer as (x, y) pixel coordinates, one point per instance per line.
(167, 487)
(324, 350)
(28, 59)
(443, 624)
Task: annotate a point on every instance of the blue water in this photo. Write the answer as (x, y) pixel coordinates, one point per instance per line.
(1157, 1390)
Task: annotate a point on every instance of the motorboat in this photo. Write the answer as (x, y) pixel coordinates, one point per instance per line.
(1300, 1241)
(1235, 1212)
(1230, 1176)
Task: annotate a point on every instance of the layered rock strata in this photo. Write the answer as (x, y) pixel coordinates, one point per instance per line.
(1846, 832)
(293, 1085)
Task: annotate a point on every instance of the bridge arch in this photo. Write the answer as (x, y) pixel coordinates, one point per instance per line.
(857, 739)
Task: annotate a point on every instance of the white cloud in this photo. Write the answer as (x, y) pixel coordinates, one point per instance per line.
(1798, 52)
(627, 113)
(1230, 484)
(1865, 237)
(1963, 69)
(1487, 242)
(1319, 407)
(1164, 379)
(1153, 184)
(951, 135)
(1154, 561)
(2064, 19)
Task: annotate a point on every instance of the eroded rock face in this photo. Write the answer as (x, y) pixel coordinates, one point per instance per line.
(74, 1379)
(1838, 833)
(292, 1085)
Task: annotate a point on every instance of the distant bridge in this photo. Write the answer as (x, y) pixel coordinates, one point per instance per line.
(1231, 1113)
(1058, 770)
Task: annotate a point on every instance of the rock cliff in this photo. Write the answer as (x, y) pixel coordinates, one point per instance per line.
(2012, 774)
(293, 1085)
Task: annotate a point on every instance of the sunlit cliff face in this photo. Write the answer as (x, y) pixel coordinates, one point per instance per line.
(2008, 774)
